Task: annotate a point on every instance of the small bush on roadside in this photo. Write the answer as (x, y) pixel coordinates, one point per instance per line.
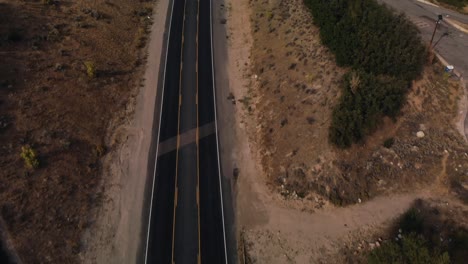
(90, 69)
(388, 143)
(30, 157)
(141, 37)
(100, 151)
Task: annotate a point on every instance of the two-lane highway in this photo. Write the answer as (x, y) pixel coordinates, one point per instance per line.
(186, 222)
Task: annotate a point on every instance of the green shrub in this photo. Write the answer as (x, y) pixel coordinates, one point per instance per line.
(412, 222)
(386, 54)
(410, 249)
(388, 143)
(362, 104)
(365, 35)
(90, 69)
(458, 246)
(30, 157)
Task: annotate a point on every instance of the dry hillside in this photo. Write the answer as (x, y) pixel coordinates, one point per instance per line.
(295, 85)
(68, 72)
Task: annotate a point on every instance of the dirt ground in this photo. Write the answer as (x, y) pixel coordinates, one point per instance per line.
(284, 85)
(293, 93)
(118, 230)
(48, 102)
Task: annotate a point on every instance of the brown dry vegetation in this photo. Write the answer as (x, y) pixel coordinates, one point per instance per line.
(48, 101)
(295, 85)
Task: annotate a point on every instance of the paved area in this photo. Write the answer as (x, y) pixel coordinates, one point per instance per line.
(454, 47)
(186, 218)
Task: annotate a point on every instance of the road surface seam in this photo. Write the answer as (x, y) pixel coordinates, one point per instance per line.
(186, 138)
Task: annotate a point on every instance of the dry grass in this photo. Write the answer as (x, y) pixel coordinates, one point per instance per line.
(295, 86)
(47, 101)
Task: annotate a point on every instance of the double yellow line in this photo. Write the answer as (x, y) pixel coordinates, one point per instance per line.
(178, 136)
(198, 135)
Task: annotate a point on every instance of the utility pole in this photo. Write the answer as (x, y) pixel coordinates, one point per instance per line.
(440, 17)
(443, 35)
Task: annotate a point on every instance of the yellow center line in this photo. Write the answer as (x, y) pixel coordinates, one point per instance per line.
(178, 136)
(198, 135)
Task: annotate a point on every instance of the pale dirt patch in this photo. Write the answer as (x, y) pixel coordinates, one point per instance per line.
(117, 234)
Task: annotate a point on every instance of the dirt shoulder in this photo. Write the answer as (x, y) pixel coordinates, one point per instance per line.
(290, 179)
(75, 117)
(117, 235)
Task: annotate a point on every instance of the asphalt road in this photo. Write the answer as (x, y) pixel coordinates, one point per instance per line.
(453, 48)
(186, 222)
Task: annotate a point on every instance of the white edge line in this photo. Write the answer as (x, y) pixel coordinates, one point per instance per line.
(216, 126)
(159, 131)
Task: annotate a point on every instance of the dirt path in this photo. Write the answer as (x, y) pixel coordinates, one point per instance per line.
(291, 236)
(116, 235)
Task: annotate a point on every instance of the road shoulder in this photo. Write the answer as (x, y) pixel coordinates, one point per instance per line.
(116, 235)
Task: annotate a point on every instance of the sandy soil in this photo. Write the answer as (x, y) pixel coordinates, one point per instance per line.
(118, 235)
(279, 227)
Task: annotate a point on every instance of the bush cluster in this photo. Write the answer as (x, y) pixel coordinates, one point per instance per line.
(412, 249)
(386, 54)
(362, 105)
(419, 242)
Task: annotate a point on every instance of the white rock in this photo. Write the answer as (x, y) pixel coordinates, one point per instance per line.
(420, 134)
(359, 200)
